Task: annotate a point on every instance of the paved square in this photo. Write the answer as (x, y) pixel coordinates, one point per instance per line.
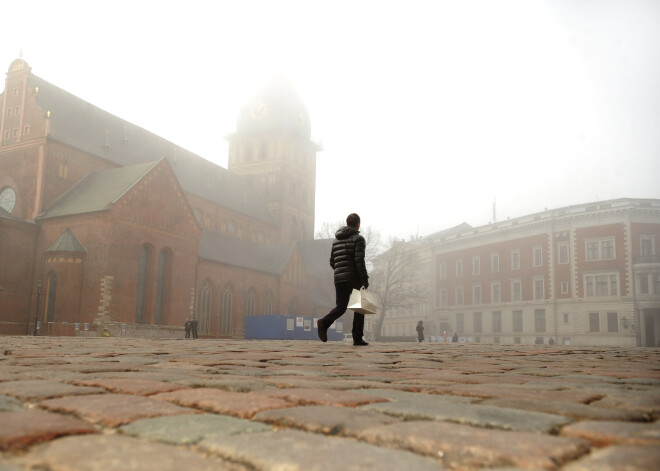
(301, 405)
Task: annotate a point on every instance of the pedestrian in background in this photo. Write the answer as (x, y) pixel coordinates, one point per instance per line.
(420, 331)
(187, 327)
(193, 327)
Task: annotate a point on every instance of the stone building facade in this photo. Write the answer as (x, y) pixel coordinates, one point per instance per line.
(125, 227)
(581, 275)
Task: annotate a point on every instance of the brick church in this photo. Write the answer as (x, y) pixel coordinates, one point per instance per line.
(121, 226)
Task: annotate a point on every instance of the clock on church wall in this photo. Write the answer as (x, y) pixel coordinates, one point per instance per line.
(8, 199)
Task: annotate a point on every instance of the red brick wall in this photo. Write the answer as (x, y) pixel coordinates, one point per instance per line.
(526, 272)
(17, 242)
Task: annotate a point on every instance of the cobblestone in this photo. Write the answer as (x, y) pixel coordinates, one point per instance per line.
(69, 404)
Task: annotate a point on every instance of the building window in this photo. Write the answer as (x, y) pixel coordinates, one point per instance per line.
(539, 320)
(51, 290)
(495, 293)
(459, 296)
(566, 318)
(26, 130)
(594, 322)
(607, 249)
(647, 246)
(515, 259)
(497, 321)
(656, 283)
(516, 290)
(143, 282)
(7, 134)
(644, 283)
(163, 286)
(600, 249)
(459, 268)
(517, 321)
(539, 288)
(563, 254)
(64, 171)
(249, 304)
(495, 263)
(476, 294)
(204, 308)
(460, 323)
(564, 287)
(15, 132)
(612, 321)
(476, 265)
(538, 256)
(602, 285)
(225, 312)
(442, 271)
(516, 340)
(443, 296)
(478, 322)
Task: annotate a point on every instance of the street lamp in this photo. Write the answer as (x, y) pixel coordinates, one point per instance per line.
(40, 285)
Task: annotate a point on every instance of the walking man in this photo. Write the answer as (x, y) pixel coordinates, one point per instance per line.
(193, 327)
(350, 272)
(186, 325)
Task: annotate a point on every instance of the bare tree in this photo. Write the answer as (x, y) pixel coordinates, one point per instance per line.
(371, 236)
(396, 280)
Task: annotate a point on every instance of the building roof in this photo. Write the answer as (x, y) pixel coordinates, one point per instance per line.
(67, 242)
(4, 214)
(217, 247)
(97, 191)
(84, 126)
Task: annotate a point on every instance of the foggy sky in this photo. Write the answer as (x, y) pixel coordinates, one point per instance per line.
(428, 110)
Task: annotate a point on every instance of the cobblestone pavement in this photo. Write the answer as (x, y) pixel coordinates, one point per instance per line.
(135, 404)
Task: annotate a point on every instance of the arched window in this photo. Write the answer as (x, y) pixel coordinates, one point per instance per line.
(163, 286)
(204, 308)
(225, 312)
(249, 304)
(268, 304)
(143, 283)
(51, 289)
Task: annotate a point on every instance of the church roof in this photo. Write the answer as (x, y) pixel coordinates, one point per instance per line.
(67, 242)
(84, 126)
(97, 191)
(4, 214)
(217, 247)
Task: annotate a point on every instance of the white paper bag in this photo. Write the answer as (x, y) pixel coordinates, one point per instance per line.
(363, 302)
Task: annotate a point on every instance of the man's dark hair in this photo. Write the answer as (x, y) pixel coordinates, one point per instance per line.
(353, 220)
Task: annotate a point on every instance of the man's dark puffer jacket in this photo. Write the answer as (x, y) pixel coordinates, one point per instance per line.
(347, 257)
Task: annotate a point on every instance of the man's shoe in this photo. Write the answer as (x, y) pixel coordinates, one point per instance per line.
(322, 330)
(360, 343)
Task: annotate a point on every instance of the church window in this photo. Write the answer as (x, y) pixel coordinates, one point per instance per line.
(204, 308)
(143, 271)
(293, 306)
(163, 286)
(51, 290)
(249, 304)
(225, 313)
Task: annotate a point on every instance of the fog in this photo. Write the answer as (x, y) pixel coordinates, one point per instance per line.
(429, 111)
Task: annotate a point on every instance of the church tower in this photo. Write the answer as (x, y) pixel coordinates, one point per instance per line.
(272, 147)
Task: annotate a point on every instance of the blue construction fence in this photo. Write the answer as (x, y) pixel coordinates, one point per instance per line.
(288, 327)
